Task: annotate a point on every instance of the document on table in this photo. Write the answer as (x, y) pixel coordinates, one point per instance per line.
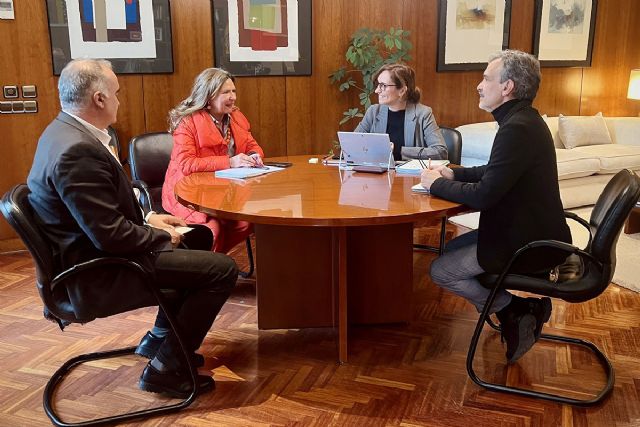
(240, 173)
(418, 188)
(415, 167)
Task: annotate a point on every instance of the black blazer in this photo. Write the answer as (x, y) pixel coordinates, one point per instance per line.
(516, 193)
(88, 209)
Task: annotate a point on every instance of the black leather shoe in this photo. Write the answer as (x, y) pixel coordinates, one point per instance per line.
(149, 345)
(518, 330)
(173, 383)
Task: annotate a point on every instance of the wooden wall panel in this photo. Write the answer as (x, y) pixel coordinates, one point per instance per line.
(192, 37)
(616, 51)
(26, 59)
(263, 101)
(300, 115)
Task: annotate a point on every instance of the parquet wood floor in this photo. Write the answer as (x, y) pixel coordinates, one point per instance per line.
(397, 375)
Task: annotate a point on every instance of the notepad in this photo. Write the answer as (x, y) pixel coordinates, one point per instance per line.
(418, 188)
(414, 167)
(241, 173)
(183, 230)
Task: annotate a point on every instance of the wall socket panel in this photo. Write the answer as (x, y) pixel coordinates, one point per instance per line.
(18, 107)
(10, 91)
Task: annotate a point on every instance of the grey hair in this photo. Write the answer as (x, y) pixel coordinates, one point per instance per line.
(523, 69)
(205, 86)
(79, 79)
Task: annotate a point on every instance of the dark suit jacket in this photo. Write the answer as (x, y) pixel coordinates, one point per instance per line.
(88, 209)
(516, 193)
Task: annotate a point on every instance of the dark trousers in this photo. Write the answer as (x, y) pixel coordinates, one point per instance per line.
(203, 281)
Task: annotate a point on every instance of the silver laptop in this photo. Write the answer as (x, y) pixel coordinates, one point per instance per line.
(366, 149)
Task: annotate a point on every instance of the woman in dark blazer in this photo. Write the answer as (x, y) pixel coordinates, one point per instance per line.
(411, 126)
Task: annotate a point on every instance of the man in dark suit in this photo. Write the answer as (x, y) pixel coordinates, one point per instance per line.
(518, 198)
(87, 209)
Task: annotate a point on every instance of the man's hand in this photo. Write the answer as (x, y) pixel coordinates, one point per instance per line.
(168, 223)
(242, 161)
(430, 175)
(165, 222)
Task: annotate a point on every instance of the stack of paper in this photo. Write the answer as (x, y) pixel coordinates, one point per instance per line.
(240, 173)
(415, 167)
(418, 188)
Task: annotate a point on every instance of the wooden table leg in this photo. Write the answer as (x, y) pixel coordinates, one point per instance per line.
(339, 246)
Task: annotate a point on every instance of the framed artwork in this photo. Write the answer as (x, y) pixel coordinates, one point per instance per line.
(135, 35)
(564, 30)
(262, 37)
(471, 30)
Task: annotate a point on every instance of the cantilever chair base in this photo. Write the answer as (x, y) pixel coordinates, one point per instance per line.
(604, 361)
(57, 378)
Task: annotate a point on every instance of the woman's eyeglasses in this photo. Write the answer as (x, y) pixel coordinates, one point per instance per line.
(384, 86)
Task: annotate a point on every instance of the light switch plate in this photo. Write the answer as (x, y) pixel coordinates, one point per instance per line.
(6, 107)
(18, 106)
(10, 91)
(29, 91)
(30, 106)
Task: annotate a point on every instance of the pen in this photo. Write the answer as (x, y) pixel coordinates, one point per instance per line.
(429, 167)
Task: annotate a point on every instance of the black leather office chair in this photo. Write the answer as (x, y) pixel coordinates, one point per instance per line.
(16, 209)
(453, 139)
(598, 262)
(149, 156)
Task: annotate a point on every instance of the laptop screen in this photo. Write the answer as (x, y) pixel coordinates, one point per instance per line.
(369, 149)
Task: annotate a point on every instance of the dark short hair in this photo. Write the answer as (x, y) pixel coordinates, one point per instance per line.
(402, 75)
(523, 69)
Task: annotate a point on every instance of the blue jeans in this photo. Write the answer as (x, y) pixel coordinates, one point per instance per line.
(456, 271)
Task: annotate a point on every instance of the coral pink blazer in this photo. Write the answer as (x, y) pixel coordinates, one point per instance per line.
(198, 146)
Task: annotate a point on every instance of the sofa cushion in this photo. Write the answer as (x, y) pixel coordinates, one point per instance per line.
(578, 131)
(552, 124)
(574, 164)
(624, 130)
(613, 157)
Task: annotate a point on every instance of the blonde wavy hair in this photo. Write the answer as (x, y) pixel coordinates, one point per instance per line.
(205, 86)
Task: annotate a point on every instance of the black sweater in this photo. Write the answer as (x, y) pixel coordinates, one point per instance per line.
(516, 192)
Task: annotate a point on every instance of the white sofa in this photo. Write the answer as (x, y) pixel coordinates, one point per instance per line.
(583, 171)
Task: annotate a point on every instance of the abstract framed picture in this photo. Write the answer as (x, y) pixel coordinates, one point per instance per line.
(469, 31)
(564, 31)
(262, 37)
(135, 35)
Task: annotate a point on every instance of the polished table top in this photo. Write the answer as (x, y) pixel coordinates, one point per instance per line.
(309, 194)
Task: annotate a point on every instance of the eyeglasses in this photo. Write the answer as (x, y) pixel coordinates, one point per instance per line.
(384, 86)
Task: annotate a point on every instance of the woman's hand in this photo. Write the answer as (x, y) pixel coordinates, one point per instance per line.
(242, 161)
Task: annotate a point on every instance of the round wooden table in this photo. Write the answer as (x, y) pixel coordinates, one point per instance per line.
(332, 246)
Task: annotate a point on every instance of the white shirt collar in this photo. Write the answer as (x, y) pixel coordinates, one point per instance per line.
(102, 135)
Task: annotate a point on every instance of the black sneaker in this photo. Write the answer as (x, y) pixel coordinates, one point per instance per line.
(518, 330)
(173, 383)
(150, 344)
(541, 310)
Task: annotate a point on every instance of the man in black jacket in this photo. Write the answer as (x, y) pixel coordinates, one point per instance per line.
(518, 198)
(86, 206)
